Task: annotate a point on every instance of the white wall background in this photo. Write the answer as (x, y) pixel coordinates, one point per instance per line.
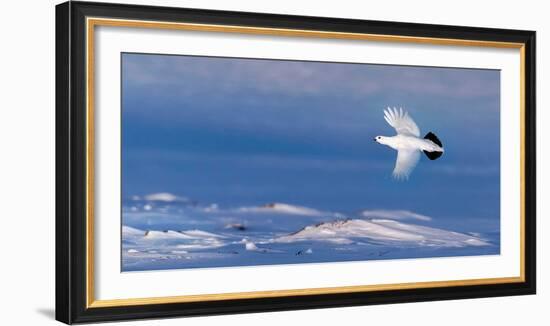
(27, 162)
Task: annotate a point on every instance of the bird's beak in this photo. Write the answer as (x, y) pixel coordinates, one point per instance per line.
(374, 139)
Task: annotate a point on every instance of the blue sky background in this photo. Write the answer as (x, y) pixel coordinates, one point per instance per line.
(242, 132)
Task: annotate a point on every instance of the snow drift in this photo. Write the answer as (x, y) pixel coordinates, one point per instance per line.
(381, 231)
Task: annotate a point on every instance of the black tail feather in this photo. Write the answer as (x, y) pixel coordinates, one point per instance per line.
(433, 155)
(431, 136)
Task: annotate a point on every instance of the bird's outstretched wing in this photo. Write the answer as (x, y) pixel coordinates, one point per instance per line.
(401, 121)
(406, 161)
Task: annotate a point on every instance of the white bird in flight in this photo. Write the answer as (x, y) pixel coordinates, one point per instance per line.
(408, 143)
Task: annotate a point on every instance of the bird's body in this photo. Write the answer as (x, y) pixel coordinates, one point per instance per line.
(408, 143)
(404, 142)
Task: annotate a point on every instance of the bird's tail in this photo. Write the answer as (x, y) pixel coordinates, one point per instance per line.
(436, 154)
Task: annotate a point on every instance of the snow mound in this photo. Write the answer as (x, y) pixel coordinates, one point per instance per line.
(130, 231)
(201, 234)
(381, 231)
(165, 197)
(170, 234)
(170, 240)
(165, 235)
(282, 209)
(394, 215)
(250, 246)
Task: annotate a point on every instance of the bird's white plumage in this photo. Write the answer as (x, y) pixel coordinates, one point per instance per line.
(405, 163)
(408, 143)
(401, 121)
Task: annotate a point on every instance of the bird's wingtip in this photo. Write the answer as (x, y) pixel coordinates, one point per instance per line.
(400, 176)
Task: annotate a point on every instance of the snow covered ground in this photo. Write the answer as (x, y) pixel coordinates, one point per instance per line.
(164, 231)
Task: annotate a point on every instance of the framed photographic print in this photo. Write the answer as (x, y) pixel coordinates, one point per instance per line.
(214, 162)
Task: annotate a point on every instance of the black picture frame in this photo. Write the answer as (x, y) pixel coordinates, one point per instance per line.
(71, 157)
